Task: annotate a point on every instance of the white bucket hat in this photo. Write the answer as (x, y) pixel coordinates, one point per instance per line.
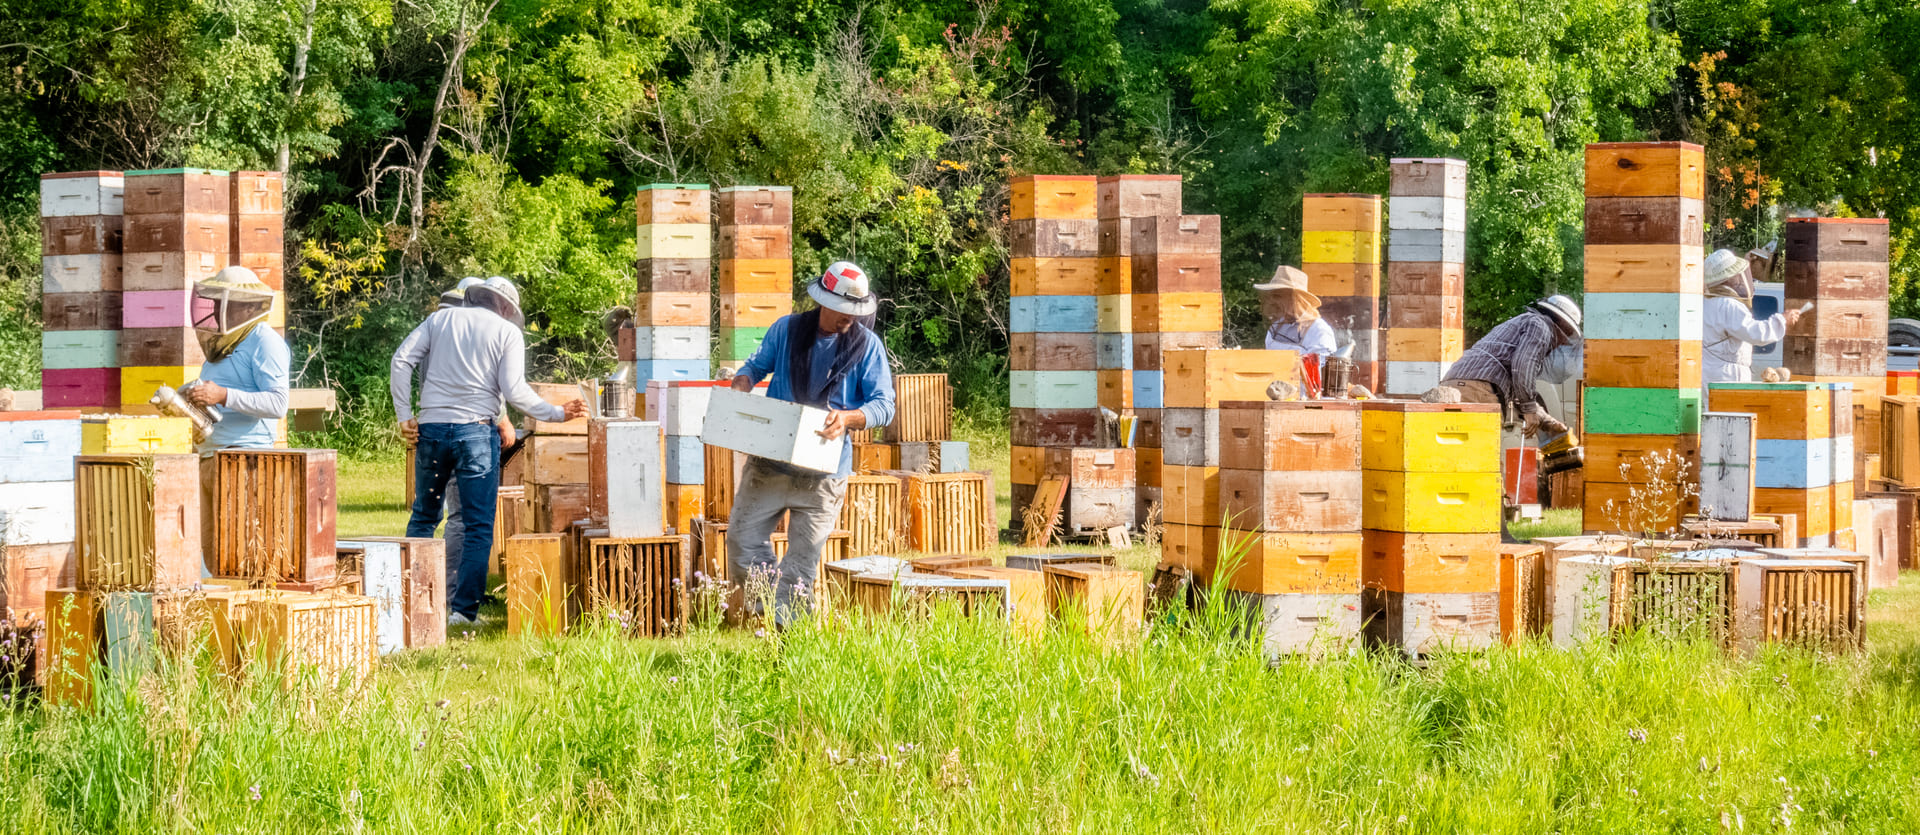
(1562, 309)
(844, 288)
(1724, 266)
(1289, 278)
(499, 286)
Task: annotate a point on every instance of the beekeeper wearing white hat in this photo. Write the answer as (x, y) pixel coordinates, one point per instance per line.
(1504, 365)
(1293, 315)
(1730, 330)
(825, 358)
(472, 357)
(245, 377)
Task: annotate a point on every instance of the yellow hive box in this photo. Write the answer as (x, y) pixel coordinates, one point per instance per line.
(1340, 213)
(1114, 314)
(136, 436)
(139, 382)
(1203, 379)
(1342, 279)
(1340, 247)
(1425, 344)
(1192, 547)
(1190, 495)
(1431, 438)
(1055, 276)
(1028, 463)
(1296, 563)
(1054, 197)
(756, 275)
(1431, 502)
(1176, 312)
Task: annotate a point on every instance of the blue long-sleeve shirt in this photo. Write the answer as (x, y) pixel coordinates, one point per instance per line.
(868, 387)
(257, 377)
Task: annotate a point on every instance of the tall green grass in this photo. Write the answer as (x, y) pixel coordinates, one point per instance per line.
(952, 724)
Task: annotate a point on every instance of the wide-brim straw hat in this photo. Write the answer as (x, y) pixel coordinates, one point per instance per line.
(1289, 278)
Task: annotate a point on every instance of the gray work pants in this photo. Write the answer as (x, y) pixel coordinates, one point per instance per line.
(813, 505)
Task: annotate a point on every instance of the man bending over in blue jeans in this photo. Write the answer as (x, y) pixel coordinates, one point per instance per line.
(478, 358)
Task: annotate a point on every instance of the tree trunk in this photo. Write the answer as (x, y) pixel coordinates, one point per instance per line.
(296, 85)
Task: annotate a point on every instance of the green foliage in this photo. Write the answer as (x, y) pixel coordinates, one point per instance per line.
(19, 298)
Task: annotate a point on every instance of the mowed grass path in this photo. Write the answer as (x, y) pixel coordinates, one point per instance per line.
(953, 725)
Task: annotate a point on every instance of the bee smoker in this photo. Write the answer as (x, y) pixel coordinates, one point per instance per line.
(175, 403)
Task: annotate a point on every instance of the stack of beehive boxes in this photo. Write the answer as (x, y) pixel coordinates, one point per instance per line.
(1431, 563)
(178, 231)
(1175, 276)
(1340, 252)
(1197, 382)
(1643, 326)
(36, 508)
(756, 266)
(1290, 490)
(259, 234)
(1054, 317)
(555, 473)
(671, 338)
(680, 408)
(1840, 265)
(81, 220)
(1426, 272)
(1800, 429)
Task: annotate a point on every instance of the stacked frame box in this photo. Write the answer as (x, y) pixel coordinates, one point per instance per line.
(179, 231)
(680, 408)
(258, 223)
(1100, 488)
(1803, 452)
(1290, 493)
(671, 337)
(37, 528)
(1644, 274)
(1431, 561)
(81, 268)
(1197, 382)
(1054, 318)
(755, 266)
(556, 471)
(1840, 265)
(1426, 273)
(1127, 356)
(1340, 252)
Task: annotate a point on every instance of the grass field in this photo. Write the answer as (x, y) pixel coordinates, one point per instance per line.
(954, 725)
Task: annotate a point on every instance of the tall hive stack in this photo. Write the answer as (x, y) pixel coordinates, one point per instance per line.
(1432, 513)
(259, 234)
(1797, 435)
(1340, 252)
(81, 225)
(556, 470)
(756, 266)
(1290, 489)
(1128, 357)
(1644, 263)
(1840, 265)
(1054, 317)
(680, 407)
(1426, 272)
(36, 508)
(179, 230)
(671, 339)
(1197, 382)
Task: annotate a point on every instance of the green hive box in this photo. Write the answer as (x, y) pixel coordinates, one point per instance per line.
(1612, 411)
(740, 343)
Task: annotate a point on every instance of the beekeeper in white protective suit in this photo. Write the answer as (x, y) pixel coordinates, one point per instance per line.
(1730, 330)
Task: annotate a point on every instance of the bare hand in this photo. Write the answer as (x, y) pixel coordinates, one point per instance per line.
(576, 409)
(410, 431)
(1792, 317)
(840, 421)
(507, 436)
(207, 394)
(742, 384)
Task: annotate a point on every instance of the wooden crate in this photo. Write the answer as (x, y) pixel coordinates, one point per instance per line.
(1674, 599)
(710, 540)
(949, 513)
(510, 518)
(1523, 592)
(917, 594)
(685, 503)
(138, 522)
(644, 580)
(424, 579)
(537, 584)
(836, 577)
(76, 636)
(557, 459)
(1028, 590)
(722, 477)
(1104, 600)
(275, 514)
(941, 564)
(871, 513)
(1900, 440)
(1813, 602)
(27, 572)
(871, 458)
(1906, 521)
(332, 637)
(1421, 624)
(1039, 562)
(924, 409)
(551, 508)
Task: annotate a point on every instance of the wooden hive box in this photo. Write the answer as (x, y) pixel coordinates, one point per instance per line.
(510, 518)
(836, 578)
(138, 522)
(1523, 591)
(710, 539)
(1674, 599)
(424, 581)
(76, 635)
(1028, 590)
(275, 514)
(949, 513)
(643, 579)
(833, 550)
(333, 637)
(551, 508)
(874, 458)
(625, 479)
(1812, 602)
(27, 572)
(924, 411)
(1900, 440)
(722, 477)
(536, 585)
(1102, 599)
(871, 513)
(917, 594)
(942, 564)
(1039, 562)
(1422, 624)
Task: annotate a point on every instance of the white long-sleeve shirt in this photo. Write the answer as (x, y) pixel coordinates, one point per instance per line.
(1317, 340)
(478, 360)
(1729, 337)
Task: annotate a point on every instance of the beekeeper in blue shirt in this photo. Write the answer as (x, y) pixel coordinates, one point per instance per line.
(244, 380)
(827, 359)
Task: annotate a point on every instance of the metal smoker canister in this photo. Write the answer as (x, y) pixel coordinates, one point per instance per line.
(1334, 376)
(616, 398)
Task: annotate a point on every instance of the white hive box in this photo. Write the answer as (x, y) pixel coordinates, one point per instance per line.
(1583, 597)
(773, 429)
(636, 486)
(36, 513)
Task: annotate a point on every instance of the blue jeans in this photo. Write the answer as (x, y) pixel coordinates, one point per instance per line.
(466, 454)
